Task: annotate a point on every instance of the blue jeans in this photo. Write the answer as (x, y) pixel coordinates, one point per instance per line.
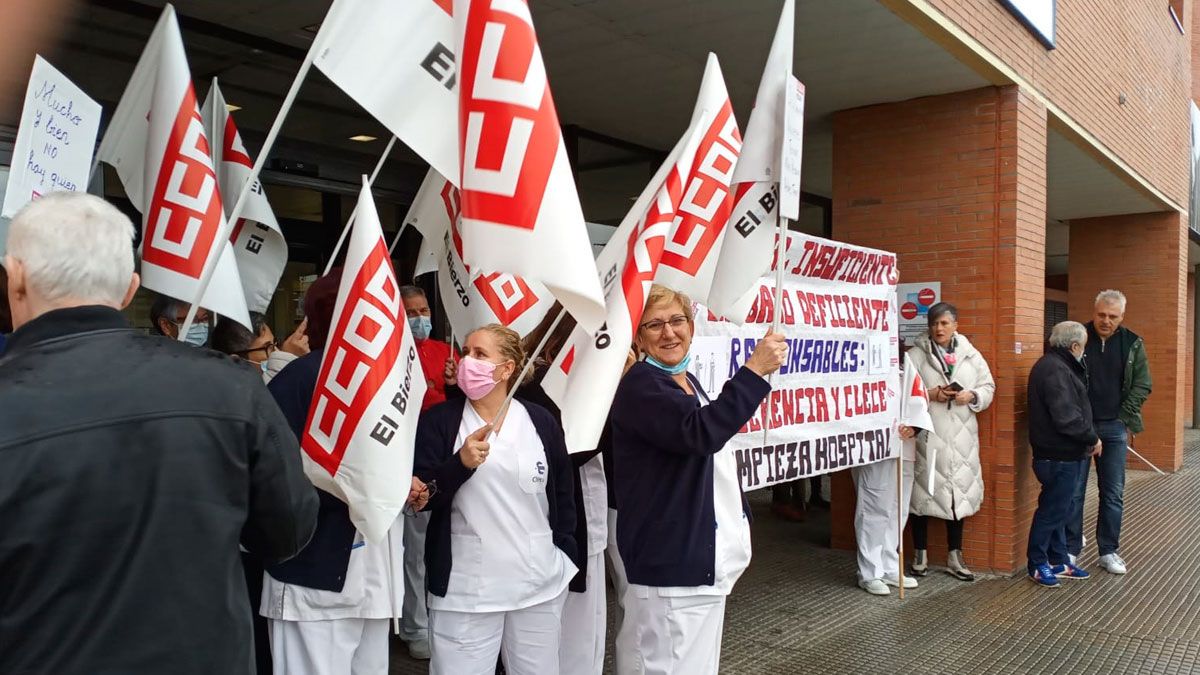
(1110, 479)
(1047, 534)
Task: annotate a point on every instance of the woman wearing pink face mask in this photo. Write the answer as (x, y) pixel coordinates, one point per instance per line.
(500, 550)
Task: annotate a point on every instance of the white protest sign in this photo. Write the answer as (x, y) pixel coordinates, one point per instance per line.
(792, 149)
(835, 402)
(55, 141)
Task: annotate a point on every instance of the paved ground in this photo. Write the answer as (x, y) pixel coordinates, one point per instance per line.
(797, 610)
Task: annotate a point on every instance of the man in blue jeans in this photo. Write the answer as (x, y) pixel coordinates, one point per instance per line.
(1118, 385)
(1062, 436)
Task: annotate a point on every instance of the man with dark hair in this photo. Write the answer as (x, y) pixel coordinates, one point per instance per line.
(168, 314)
(435, 356)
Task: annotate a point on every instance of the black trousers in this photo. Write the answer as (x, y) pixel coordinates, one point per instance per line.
(920, 533)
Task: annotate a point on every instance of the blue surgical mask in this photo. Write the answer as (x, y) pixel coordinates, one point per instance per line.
(673, 370)
(263, 366)
(197, 335)
(421, 327)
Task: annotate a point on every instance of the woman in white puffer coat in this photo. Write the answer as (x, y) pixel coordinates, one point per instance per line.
(960, 387)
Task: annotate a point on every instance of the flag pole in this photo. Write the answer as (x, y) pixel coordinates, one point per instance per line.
(353, 214)
(397, 239)
(391, 583)
(210, 263)
(780, 251)
(562, 312)
(900, 516)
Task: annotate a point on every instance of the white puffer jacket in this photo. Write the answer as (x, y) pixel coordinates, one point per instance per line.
(954, 444)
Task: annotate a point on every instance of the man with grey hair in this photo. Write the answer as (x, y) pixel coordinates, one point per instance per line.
(1118, 385)
(1061, 433)
(130, 468)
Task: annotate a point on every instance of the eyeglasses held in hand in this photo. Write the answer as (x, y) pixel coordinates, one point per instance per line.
(410, 509)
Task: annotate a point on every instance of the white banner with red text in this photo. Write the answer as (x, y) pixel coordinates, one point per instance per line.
(835, 402)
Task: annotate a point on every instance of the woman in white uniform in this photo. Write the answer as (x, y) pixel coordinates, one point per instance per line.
(683, 529)
(500, 550)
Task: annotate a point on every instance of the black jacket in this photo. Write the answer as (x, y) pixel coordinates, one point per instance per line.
(324, 561)
(1060, 415)
(663, 445)
(437, 460)
(130, 468)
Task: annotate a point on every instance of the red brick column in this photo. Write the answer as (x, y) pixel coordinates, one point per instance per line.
(1145, 257)
(955, 184)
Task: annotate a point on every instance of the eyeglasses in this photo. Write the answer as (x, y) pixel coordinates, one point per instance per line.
(431, 488)
(269, 348)
(656, 326)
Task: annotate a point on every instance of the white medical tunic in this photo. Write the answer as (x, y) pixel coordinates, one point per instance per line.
(501, 544)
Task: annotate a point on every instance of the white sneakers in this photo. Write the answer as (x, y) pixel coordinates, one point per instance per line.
(874, 587)
(1112, 563)
(894, 582)
(880, 586)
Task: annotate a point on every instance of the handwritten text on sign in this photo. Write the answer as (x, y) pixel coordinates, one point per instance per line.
(834, 404)
(55, 141)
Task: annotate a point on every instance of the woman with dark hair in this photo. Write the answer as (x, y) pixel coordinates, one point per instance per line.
(257, 346)
(948, 479)
(500, 549)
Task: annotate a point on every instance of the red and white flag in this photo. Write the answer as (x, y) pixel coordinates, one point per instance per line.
(690, 253)
(358, 439)
(520, 210)
(124, 143)
(396, 59)
(258, 243)
(472, 298)
(750, 239)
(182, 215)
(584, 375)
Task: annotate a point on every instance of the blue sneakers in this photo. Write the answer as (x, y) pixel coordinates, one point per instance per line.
(1069, 571)
(1043, 575)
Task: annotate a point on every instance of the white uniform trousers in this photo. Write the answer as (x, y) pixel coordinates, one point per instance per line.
(677, 635)
(414, 622)
(329, 647)
(584, 621)
(875, 523)
(616, 569)
(467, 643)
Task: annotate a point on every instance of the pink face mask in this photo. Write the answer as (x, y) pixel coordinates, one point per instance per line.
(475, 377)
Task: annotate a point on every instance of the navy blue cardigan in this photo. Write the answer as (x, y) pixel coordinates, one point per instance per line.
(323, 562)
(437, 460)
(663, 446)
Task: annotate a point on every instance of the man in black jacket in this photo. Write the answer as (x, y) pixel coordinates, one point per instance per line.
(1063, 438)
(130, 468)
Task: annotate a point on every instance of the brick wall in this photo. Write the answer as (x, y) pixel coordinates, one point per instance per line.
(1145, 257)
(955, 184)
(1104, 48)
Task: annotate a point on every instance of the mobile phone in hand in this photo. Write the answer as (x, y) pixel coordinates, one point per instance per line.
(954, 387)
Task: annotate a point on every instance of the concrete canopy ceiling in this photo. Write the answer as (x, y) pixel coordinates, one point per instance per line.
(1079, 186)
(628, 69)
